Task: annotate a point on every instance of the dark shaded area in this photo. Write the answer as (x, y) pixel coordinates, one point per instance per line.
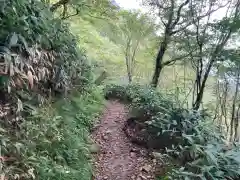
(139, 133)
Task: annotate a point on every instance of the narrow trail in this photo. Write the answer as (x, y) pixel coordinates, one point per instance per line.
(118, 158)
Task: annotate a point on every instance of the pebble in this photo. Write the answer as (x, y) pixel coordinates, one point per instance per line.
(105, 137)
(132, 154)
(146, 168)
(133, 177)
(94, 148)
(143, 177)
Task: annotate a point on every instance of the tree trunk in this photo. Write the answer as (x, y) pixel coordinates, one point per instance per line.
(202, 86)
(128, 60)
(129, 77)
(129, 72)
(101, 78)
(224, 105)
(222, 42)
(56, 5)
(158, 65)
(236, 137)
(233, 115)
(156, 75)
(206, 74)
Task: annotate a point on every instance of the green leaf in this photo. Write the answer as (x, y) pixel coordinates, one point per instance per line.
(23, 40)
(4, 80)
(13, 40)
(19, 106)
(219, 173)
(18, 147)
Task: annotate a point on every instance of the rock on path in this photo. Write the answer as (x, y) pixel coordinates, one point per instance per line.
(118, 158)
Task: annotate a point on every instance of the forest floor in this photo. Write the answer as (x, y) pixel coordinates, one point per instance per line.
(118, 158)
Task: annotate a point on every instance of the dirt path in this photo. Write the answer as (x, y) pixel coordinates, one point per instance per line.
(118, 158)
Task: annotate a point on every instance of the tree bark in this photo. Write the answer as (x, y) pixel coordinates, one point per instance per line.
(233, 115)
(203, 85)
(158, 65)
(127, 59)
(236, 137)
(128, 70)
(224, 102)
(101, 78)
(129, 77)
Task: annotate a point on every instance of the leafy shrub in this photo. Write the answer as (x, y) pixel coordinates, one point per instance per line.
(206, 156)
(53, 142)
(116, 92)
(164, 121)
(189, 138)
(37, 48)
(39, 57)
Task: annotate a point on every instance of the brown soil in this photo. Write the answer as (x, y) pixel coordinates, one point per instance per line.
(118, 158)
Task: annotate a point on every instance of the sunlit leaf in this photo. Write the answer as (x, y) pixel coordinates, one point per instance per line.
(30, 79)
(13, 40)
(19, 106)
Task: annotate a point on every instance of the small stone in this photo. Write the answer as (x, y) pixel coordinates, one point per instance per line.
(143, 177)
(94, 148)
(132, 154)
(133, 150)
(105, 137)
(108, 131)
(154, 161)
(146, 168)
(158, 156)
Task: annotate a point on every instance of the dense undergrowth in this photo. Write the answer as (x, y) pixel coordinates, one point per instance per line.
(53, 142)
(48, 103)
(38, 51)
(188, 137)
(47, 99)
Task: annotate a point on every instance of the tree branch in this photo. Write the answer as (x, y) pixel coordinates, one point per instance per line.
(168, 28)
(172, 61)
(165, 24)
(178, 13)
(197, 19)
(71, 15)
(64, 10)
(134, 51)
(56, 5)
(171, 15)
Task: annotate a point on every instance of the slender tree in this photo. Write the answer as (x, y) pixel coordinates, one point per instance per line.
(176, 17)
(134, 28)
(210, 40)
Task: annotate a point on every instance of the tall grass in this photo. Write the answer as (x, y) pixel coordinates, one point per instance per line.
(53, 143)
